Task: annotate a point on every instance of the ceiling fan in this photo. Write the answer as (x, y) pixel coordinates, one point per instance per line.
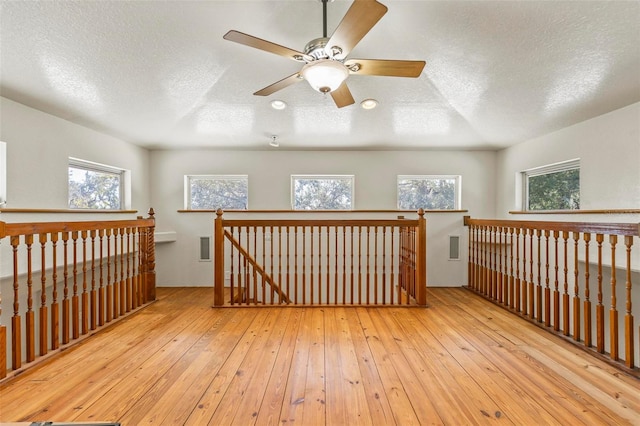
(325, 65)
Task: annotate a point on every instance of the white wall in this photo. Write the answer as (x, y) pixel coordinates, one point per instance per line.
(38, 149)
(609, 150)
(269, 188)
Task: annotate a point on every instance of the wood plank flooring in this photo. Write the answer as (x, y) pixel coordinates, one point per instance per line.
(462, 361)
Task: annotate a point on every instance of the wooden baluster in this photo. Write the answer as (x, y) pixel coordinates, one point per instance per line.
(375, 265)
(587, 303)
(531, 311)
(94, 294)
(524, 282)
(344, 265)
(600, 306)
(30, 314)
(368, 267)
(335, 267)
(318, 293)
(538, 285)
(16, 324)
(271, 263)
(75, 300)
(254, 272)
(556, 292)
(328, 286)
(127, 281)
(110, 305)
(517, 280)
(312, 281)
(304, 265)
(101, 295)
(288, 267)
(501, 289)
(280, 255)
(576, 289)
(511, 276)
(135, 273)
(116, 287)
(478, 260)
(565, 295)
(484, 281)
(123, 290)
(44, 311)
(628, 317)
(360, 265)
(352, 278)
(547, 289)
(232, 275)
(264, 264)
(65, 290)
(613, 312)
(295, 264)
(495, 283)
(55, 308)
(85, 294)
(384, 265)
(393, 268)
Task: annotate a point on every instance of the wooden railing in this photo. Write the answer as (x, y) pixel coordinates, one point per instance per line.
(320, 262)
(70, 278)
(563, 276)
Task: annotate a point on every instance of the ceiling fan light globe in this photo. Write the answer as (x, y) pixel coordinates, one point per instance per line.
(325, 75)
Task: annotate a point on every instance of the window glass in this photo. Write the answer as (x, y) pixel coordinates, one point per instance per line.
(95, 186)
(324, 192)
(553, 187)
(429, 192)
(212, 192)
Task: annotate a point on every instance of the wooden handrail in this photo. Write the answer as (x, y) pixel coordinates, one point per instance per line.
(81, 275)
(335, 261)
(561, 275)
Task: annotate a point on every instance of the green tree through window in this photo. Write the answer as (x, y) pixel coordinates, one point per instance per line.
(94, 189)
(218, 192)
(554, 191)
(428, 192)
(322, 193)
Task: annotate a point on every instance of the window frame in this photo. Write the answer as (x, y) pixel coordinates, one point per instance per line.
(457, 188)
(187, 188)
(350, 178)
(123, 175)
(548, 169)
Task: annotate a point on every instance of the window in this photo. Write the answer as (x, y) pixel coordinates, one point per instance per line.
(212, 192)
(429, 192)
(552, 187)
(322, 192)
(95, 186)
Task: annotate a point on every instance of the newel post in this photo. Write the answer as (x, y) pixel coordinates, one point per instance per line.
(421, 260)
(148, 259)
(218, 261)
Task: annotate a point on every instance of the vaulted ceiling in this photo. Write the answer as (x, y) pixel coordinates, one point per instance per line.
(159, 73)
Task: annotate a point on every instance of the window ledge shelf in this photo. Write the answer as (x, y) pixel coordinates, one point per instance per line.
(603, 211)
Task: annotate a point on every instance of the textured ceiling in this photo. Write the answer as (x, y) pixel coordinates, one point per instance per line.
(160, 75)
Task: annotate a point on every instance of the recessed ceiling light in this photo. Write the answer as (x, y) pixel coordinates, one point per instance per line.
(278, 104)
(369, 103)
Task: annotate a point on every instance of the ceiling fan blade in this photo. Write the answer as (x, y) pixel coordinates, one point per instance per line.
(342, 96)
(279, 85)
(358, 21)
(385, 67)
(265, 45)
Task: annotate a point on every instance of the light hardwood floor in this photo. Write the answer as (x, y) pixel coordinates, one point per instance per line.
(461, 361)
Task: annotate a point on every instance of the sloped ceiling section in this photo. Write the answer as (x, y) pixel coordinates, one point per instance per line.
(159, 73)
